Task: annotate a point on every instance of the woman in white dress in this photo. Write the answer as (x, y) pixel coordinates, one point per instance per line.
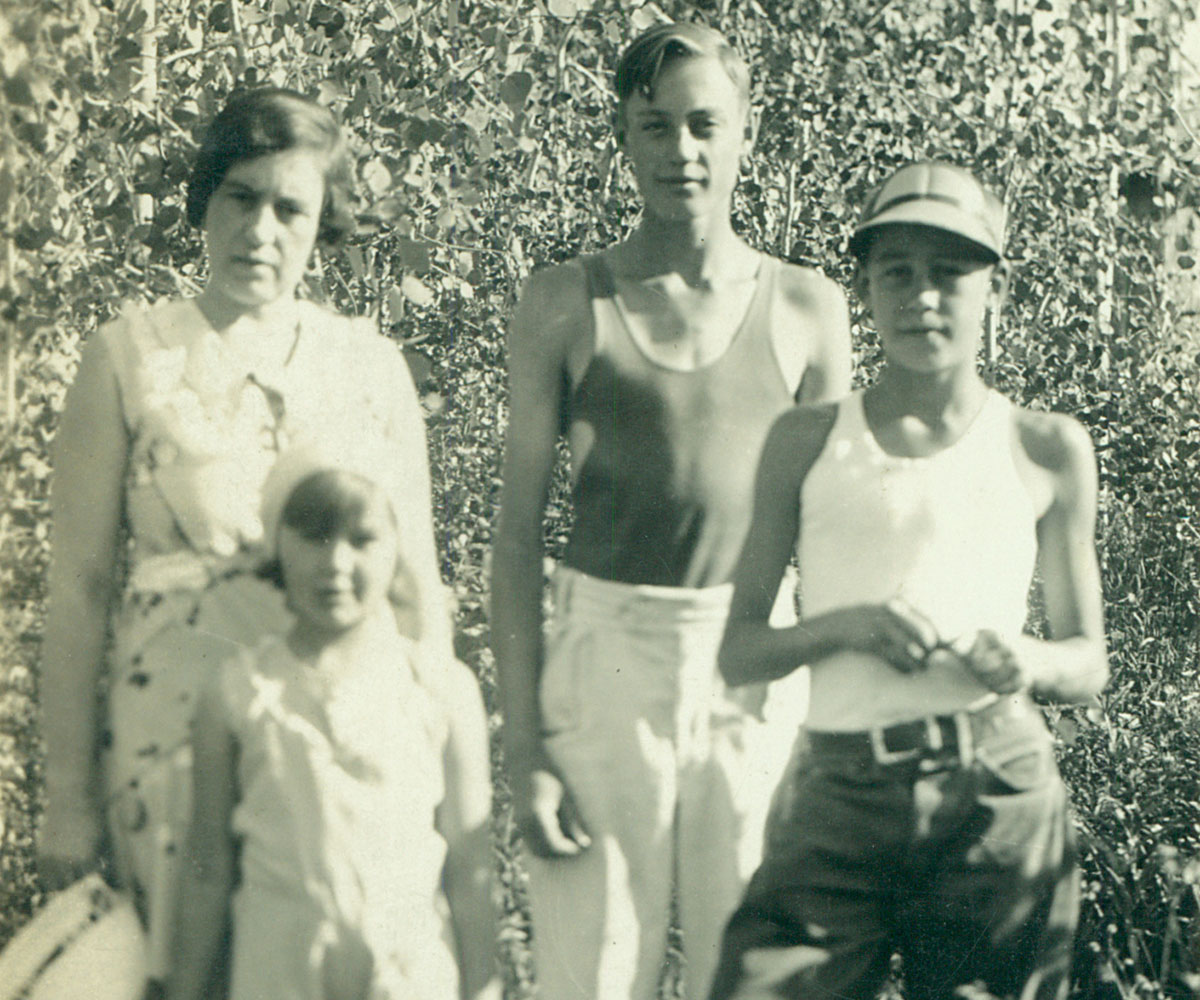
(173, 421)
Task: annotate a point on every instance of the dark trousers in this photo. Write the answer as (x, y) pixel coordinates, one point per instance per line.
(961, 857)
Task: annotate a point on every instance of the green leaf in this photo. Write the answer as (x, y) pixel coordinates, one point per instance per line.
(514, 90)
(377, 177)
(416, 291)
(566, 9)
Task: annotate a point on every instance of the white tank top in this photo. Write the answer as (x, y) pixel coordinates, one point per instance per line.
(952, 533)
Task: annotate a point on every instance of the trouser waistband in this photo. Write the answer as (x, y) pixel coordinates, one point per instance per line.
(578, 595)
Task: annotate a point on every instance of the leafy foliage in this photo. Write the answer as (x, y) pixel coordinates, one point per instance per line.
(482, 135)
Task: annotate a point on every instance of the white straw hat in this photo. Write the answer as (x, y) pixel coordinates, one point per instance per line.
(86, 943)
(359, 457)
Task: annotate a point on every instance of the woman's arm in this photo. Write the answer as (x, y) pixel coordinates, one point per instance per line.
(207, 875)
(464, 821)
(91, 450)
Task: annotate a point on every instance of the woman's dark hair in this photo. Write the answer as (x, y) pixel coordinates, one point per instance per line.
(254, 123)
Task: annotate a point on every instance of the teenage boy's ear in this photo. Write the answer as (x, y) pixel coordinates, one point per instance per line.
(859, 281)
(1000, 277)
(750, 130)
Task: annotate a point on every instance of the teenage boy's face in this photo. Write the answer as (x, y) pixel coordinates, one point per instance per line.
(333, 583)
(928, 291)
(685, 142)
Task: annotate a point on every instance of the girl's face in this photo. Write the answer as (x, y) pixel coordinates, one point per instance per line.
(336, 580)
(260, 228)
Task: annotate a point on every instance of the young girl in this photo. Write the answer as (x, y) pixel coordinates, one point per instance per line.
(342, 792)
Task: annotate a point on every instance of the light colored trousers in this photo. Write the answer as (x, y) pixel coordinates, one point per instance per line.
(672, 775)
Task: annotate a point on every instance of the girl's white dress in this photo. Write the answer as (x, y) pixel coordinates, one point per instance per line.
(340, 770)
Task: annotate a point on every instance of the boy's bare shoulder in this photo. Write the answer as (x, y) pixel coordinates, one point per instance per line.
(1054, 441)
(798, 436)
(801, 424)
(807, 289)
(552, 307)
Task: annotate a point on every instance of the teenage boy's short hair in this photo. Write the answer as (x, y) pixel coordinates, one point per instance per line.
(643, 61)
(940, 196)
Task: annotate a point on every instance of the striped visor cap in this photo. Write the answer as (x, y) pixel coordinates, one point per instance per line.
(937, 195)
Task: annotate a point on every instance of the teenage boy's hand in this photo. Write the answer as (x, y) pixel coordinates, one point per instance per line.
(993, 661)
(543, 807)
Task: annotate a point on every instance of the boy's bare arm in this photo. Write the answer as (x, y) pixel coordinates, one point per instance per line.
(548, 317)
(1073, 664)
(207, 878)
(752, 650)
(813, 338)
(827, 375)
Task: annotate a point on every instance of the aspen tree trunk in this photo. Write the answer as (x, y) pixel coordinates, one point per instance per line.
(147, 92)
(1181, 232)
(1109, 315)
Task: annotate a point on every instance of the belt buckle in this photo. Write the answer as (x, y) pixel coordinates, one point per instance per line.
(884, 756)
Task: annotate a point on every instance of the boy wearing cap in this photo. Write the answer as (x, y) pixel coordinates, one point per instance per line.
(665, 360)
(930, 817)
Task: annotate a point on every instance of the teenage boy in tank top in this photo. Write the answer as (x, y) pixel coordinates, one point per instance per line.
(930, 816)
(665, 360)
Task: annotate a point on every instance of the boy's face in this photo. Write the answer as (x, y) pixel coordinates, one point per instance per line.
(334, 582)
(928, 292)
(685, 143)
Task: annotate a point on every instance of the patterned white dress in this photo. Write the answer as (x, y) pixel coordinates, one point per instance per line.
(205, 425)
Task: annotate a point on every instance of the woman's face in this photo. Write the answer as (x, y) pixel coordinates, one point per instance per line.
(260, 227)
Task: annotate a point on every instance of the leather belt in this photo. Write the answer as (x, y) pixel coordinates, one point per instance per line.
(932, 736)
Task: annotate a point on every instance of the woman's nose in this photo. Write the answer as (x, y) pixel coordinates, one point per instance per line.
(260, 222)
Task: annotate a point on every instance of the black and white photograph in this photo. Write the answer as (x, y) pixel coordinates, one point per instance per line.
(600, 500)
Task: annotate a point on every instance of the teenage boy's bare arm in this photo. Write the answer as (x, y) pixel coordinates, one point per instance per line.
(1073, 664)
(548, 317)
(827, 369)
(752, 650)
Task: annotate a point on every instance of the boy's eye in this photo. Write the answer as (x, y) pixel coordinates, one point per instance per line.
(703, 129)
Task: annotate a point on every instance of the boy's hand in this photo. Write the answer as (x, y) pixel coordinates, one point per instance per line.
(895, 632)
(544, 810)
(993, 661)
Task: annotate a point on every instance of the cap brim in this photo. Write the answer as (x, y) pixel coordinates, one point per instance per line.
(946, 217)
